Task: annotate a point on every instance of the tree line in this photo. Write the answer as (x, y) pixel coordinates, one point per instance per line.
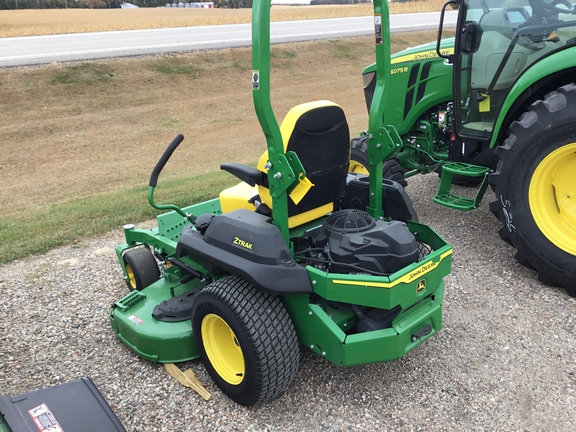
(107, 4)
(115, 4)
(60, 4)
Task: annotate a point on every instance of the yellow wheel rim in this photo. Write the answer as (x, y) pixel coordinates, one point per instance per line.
(131, 277)
(357, 167)
(223, 349)
(552, 197)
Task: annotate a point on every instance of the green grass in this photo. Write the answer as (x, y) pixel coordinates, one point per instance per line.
(283, 54)
(342, 49)
(40, 229)
(86, 73)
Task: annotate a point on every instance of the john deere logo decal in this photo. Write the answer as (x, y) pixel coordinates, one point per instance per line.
(421, 286)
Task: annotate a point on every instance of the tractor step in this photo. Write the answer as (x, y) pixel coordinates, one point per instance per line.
(464, 169)
(448, 199)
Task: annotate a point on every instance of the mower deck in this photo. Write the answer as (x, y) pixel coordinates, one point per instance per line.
(154, 340)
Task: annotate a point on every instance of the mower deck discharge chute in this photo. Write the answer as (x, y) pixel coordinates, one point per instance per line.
(300, 249)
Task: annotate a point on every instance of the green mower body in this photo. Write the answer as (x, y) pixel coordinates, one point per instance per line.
(299, 250)
(323, 316)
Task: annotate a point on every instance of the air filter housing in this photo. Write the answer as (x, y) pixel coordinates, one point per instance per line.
(349, 221)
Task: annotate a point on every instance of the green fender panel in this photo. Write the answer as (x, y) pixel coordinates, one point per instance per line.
(557, 62)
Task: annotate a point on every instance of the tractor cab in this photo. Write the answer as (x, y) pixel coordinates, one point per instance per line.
(496, 43)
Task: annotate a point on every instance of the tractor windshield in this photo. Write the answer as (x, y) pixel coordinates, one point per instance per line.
(498, 41)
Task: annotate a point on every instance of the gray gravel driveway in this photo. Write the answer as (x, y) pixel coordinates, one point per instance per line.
(503, 361)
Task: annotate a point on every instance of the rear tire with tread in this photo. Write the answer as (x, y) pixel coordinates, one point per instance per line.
(391, 168)
(537, 210)
(262, 336)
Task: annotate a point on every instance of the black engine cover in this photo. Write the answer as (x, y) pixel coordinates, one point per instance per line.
(249, 235)
(385, 248)
(248, 245)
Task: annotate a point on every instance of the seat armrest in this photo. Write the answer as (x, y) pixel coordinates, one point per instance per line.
(245, 173)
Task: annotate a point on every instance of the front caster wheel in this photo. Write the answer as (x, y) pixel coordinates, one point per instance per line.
(141, 268)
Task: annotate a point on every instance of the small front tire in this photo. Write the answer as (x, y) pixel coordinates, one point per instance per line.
(141, 268)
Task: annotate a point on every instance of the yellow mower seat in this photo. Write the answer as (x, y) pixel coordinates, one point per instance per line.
(237, 197)
(318, 133)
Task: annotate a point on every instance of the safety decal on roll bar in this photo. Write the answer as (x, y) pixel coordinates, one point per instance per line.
(378, 28)
(255, 80)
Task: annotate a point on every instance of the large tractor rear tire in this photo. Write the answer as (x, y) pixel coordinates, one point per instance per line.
(246, 340)
(391, 168)
(535, 186)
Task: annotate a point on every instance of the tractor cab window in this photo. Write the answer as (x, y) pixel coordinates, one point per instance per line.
(497, 41)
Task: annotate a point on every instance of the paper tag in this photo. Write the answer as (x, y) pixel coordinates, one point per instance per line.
(484, 105)
(301, 190)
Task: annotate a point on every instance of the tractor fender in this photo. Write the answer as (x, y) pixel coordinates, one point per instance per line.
(248, 245)
(549, 65)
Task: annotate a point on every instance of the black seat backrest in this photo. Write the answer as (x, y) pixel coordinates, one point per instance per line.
(321, 139)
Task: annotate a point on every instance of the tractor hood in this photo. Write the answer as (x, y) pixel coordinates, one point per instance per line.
(417, 53)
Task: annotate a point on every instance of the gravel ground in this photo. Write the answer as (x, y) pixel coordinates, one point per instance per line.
(503, 361)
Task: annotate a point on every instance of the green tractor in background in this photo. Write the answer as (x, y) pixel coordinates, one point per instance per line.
(300, 250)
(496, 105)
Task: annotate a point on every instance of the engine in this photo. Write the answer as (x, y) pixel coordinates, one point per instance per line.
(352, 241)
(349, 241)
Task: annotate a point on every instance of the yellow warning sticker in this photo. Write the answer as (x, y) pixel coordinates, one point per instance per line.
(301, 190)
(484, 105)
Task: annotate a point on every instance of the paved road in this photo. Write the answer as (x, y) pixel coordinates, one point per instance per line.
(31, 50)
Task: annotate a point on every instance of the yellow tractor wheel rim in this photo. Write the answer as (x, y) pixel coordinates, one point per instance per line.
(223, 349)
(131, 276)
(552, 197)
(357, 167)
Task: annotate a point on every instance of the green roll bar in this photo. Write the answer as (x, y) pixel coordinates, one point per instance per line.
(285, 170)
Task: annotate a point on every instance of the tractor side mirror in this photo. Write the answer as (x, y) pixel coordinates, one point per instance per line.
(449, 57)
(470, 38)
